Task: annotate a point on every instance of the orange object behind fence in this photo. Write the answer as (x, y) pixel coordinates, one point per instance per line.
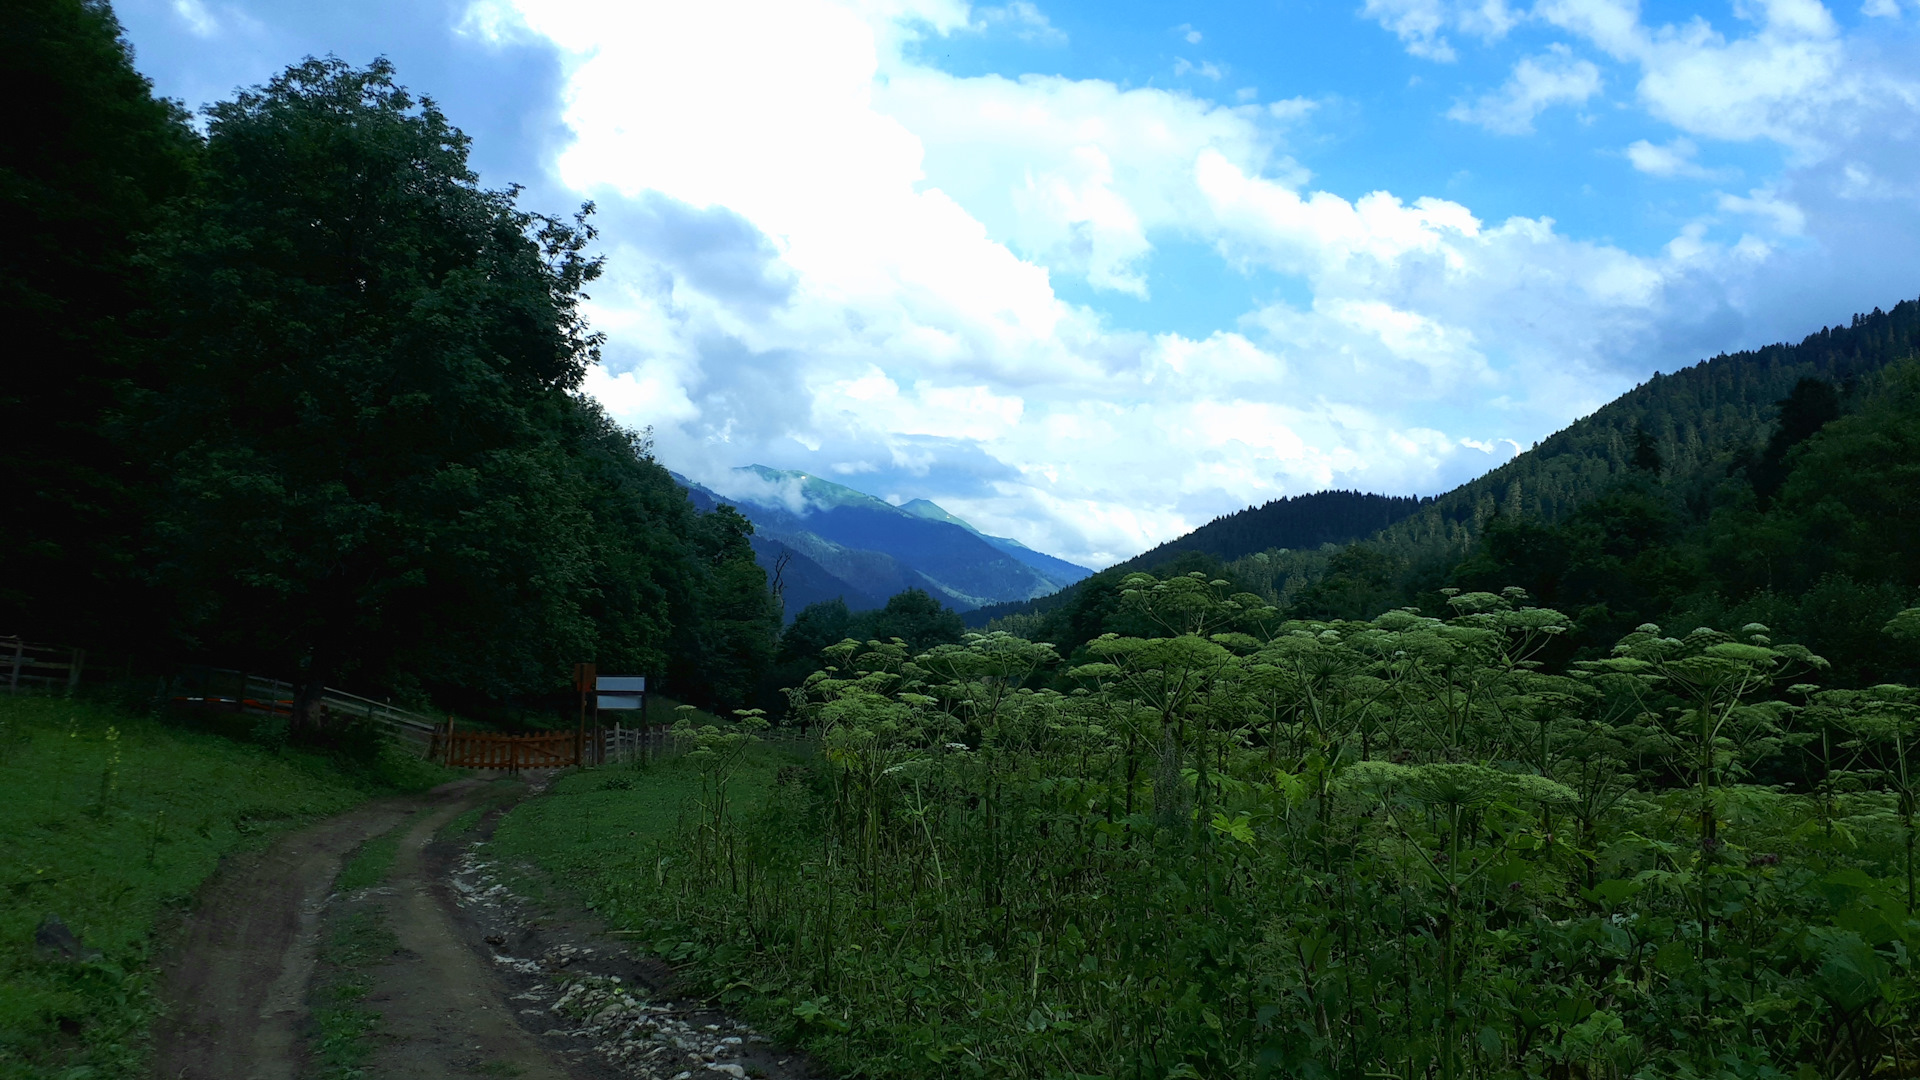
(481, 750)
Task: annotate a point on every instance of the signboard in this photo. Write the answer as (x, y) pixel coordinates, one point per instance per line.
(628, 691)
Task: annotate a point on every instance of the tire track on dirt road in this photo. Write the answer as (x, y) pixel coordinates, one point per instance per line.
(235, 987)
(480, 983)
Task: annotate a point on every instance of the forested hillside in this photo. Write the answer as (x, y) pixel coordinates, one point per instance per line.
(1701, 422)
(1298, 521)
(294, 392)
(1675, 500)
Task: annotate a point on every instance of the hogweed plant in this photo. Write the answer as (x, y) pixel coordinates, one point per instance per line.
(1392, 848)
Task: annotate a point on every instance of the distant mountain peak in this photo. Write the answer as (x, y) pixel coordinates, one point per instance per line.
(830, 539)
(933, 511)
(804, 492)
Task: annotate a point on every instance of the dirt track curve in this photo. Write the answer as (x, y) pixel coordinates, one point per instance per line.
(481, 983)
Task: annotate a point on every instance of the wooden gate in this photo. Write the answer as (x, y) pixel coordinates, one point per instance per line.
(483, 750)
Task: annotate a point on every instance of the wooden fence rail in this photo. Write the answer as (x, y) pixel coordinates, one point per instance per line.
(243, 691)
(486, 750)
(56, 668)
(32, 666)
(657, 742)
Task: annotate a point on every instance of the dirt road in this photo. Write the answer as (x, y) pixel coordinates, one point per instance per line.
(237, 985)
(478, 983)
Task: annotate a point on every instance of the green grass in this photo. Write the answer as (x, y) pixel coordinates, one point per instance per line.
(111, 822)
(370, 864)
(599, 829)
(505, 790)
(356, 943)
(342, 1025)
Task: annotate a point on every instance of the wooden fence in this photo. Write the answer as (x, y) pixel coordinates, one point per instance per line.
(56, 668)
(243, 691)
(40, 667)
(657, 742)
(487, 750)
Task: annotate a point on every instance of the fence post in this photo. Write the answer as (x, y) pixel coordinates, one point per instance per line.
(19, 654)
(73, 672)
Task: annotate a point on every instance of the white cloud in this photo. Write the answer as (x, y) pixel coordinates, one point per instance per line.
(1795, 80)
(1537, 84)
(1206, 69)
(1188, 34)
(1676, 158)
(1421, 23)
(1023, 19)
(200, 22)
(1785, 218)
(1881, 9)
(823, 255)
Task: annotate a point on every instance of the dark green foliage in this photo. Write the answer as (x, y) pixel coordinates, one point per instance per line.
(1358, 582)
(369, 361)
(1703, 420)
(1072, 617)
(1828, 559)
(84, 169)
(1813, 404)
(916, 618)
(316, 405)
(1646, 452)
(1242, 847)
(816, 627)
(1297, 522)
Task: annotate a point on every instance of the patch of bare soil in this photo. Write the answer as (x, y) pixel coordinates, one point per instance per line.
(236, 985)
(480, 982)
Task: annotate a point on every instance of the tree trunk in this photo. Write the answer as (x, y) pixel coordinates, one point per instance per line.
(309, 705)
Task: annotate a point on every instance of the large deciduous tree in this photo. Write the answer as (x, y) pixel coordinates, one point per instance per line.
(366, 425)
(88, 162)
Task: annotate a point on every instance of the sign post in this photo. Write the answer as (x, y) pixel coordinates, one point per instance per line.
(620, 693)
(583, 676)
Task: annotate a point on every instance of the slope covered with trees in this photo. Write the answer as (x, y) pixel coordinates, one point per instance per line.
(1297, 522)
(303, 396)
(1643, 478)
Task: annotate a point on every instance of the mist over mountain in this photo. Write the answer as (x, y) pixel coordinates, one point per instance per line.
(819, 540)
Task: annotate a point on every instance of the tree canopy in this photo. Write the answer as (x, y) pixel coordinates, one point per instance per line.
(328, 403)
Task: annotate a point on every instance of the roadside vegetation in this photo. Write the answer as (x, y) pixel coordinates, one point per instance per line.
(1249, 846)
(112, 821)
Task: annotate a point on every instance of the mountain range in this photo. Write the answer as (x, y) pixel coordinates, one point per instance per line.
(819, 540)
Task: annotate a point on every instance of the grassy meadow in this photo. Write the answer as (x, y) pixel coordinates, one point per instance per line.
(112, 821)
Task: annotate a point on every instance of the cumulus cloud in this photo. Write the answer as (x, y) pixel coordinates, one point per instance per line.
(1023, 20)
(1795, 79)
(1784, 217)
(1421, 24)
(825, 255)
(1675, 158)
(1537, 84)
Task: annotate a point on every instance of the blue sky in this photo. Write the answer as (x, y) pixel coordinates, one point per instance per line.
(1089, 274)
